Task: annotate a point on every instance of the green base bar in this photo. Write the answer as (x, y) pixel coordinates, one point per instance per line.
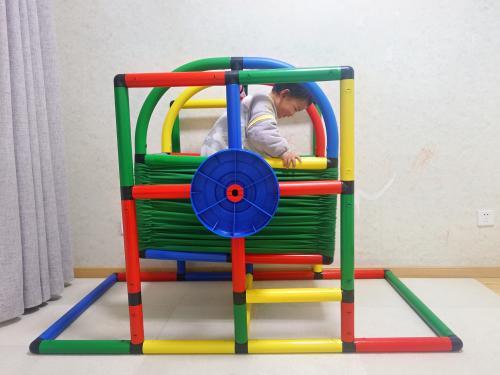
(420, 308)
(84, 347)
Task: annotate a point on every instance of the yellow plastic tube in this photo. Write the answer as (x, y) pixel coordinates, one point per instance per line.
(308, 162)
(168, 124)
(294, 295)
(188, 347)
(318, 268)
(347, 129)
(295, 346)
(205, 103)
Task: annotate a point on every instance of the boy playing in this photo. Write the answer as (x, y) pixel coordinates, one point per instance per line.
(259, 128)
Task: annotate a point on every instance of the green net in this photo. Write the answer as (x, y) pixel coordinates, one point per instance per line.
(301, 224)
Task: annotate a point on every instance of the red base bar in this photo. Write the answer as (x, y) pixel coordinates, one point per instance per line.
(151, 276)
(403, 344)
(283, 275)
(175, 79)
(368, 273)
(328, 274)
(284, 259)
(297, 188)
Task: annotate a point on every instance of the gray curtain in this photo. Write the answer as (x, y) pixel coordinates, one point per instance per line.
(35, 254)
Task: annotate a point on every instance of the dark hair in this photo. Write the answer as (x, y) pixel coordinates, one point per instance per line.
(297, 91)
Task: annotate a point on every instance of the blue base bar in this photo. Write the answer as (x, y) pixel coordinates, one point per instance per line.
(183, 256)
(62, 323)
(208, 276)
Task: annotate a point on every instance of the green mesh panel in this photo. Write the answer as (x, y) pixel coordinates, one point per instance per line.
(301, 224)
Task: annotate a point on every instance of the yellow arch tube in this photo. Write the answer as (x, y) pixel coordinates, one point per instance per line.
(205, 103)
(168, 124)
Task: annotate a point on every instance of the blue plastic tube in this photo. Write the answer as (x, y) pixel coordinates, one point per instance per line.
(176, 255)
(233, 115)
(332, 134)
(62, 323)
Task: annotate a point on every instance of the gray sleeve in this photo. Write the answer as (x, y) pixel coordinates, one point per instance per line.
(265, 138)
(262, 133)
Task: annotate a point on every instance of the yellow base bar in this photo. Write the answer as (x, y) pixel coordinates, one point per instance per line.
(295, 346)
(188, 347)
(254, 346)
(294, 295)
(308, 162)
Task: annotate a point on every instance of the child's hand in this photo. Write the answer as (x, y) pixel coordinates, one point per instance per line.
(290, 159)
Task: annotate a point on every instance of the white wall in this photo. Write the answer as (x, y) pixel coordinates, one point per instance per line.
(427, 109)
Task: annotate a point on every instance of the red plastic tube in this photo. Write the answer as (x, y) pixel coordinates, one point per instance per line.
(284, 259)
(131, 246)
(283, 275)
(238, 264)
(176, 191)
(319, 131)
(296, 188)
(175, 79)
(403, 344)
(132, 267)
(347, 321)
(369, 273)
(151, 276)
(136, 324)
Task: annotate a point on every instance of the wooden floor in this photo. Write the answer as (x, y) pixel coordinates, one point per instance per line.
(492, 282)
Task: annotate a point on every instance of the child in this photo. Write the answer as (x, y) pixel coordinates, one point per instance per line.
(259, 128)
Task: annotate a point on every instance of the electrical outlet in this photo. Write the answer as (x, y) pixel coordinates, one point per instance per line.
(485, 217)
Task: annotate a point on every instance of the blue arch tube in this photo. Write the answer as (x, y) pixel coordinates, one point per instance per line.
(332, 134)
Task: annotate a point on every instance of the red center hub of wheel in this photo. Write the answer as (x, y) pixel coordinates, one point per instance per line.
(235, 193)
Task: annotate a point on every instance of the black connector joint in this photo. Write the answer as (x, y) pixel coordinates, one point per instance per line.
(348, 347)
(239, 298)
(241, 348)
(236, 63)
(456, 343)
(347, 187)
(135, 348)
(35, 345)
(346, 72)
(327, 259)
(134, 299)
(332, 163)
(232, 77)
(140, 158)
(318, 276)
(348, 296)
(119, 80)
(126, 193)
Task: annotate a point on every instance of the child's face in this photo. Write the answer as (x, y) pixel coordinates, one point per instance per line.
(287, 106)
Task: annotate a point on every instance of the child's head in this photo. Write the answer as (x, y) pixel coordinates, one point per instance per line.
(290, 98)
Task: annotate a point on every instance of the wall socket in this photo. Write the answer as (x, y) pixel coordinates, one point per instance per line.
(485, 217)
